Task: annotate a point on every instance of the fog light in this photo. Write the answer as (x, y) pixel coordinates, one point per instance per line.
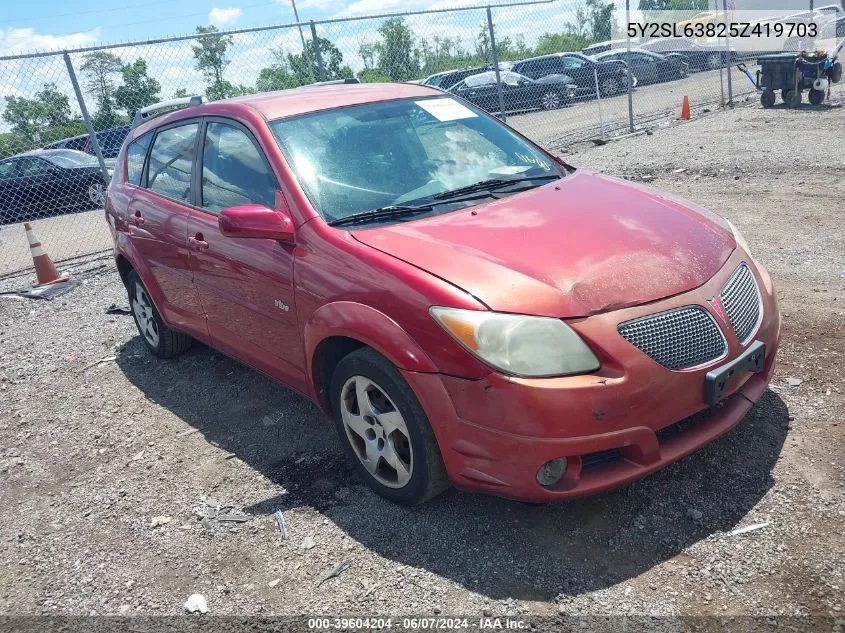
(551, 472)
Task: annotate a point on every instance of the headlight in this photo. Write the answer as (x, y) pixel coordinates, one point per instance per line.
(529, 346)
(739, 239)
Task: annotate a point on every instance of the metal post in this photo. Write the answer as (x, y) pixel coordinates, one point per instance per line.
(317, 54)
(95, 144)
(598, 97)
(630, 72)
(299, 26)
(494, 55)
(727, 60)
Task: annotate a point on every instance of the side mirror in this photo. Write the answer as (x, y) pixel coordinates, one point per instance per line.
(256, 221)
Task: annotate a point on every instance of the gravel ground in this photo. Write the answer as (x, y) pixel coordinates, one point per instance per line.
(111, 473)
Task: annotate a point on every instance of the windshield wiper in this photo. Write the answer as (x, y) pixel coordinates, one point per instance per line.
(393, 211)
(492, 184)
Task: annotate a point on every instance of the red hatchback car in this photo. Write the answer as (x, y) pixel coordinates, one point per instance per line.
(467, 307)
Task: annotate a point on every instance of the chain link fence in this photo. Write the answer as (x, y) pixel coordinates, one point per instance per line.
(64, 115)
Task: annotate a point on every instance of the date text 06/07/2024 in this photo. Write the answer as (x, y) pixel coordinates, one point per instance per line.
(652, 30)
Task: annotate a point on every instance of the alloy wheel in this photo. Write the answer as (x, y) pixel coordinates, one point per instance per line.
(97, 193)
(142, 310)
(377, 432)
(550, 100)
(714, 61)
(609, 86)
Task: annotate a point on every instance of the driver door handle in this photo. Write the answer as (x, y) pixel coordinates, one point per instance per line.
(137, 219)
(197, 242)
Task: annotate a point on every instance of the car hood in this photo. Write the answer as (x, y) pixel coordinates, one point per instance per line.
(579, 246)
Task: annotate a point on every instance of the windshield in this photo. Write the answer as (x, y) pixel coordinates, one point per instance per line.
(70, 158)
(361, 158)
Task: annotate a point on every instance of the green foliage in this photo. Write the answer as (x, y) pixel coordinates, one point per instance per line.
(210, 53)
(600, 17)
(293, 70)
(138, 89)
(560, 42)
(98, 68)
(28, 117)
(397, 56)
(373, 77)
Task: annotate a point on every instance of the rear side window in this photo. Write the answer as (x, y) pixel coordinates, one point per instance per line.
(234, 170)
(171, 157)
(135, 155)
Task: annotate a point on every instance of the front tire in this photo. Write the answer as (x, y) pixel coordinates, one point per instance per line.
(385, 431)
(159, 339)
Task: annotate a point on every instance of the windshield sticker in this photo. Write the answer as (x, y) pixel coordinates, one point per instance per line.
(446, 109)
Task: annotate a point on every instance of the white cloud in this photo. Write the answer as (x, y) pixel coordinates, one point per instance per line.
(222, 17)
(14, 41)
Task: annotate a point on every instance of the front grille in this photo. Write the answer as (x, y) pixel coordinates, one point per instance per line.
(741, 298)
(678, 339)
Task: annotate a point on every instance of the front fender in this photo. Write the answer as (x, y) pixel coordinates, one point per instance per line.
(369, 326)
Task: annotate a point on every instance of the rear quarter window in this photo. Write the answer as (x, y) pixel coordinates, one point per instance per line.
(135, 154)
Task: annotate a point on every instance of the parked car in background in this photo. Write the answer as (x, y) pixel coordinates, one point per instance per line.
(466, 306)
(648, 67)
(609, 45)
(43, 181)
(446, 80)
(519, 93)
(79, 143)
(612, 75)
(699, 57)
(109, 140)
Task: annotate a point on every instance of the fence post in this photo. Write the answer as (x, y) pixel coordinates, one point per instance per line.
(95, 144)
(630, 71)
(494, 55)
(321, 70)
(727, 60)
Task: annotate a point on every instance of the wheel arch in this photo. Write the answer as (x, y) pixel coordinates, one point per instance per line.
(337, 329)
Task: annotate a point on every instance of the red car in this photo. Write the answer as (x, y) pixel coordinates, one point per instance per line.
(467, 307)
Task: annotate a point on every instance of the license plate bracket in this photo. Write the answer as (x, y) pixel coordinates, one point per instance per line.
(753, 360)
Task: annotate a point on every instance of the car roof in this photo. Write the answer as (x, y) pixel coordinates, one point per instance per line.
(286, 103)
(550, 55)
(624, 51)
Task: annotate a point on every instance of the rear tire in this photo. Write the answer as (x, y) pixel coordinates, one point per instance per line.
(385, 431)
(551, 100)
(817, 96)
(714, 61)
(159, 339)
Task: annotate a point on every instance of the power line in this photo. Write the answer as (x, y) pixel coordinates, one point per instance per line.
(36, 18)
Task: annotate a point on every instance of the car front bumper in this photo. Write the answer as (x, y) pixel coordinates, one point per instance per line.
(630, 419)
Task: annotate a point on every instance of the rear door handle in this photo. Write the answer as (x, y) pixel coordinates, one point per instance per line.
(197, 242)
(137, 219)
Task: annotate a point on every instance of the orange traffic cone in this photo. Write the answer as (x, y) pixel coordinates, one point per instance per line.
(685, 110)
(45, 269)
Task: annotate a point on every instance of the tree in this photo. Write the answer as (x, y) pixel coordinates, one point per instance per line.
(29, 118)
(600, 16)
(138, 89)
(560, 43)
(99, 68)
(290, 71)
(181, 93)
(397, 57)
(210, 53)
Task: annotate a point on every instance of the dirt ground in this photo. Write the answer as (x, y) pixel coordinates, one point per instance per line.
(111, 472)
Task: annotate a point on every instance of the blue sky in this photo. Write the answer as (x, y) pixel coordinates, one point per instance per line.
(56, 24)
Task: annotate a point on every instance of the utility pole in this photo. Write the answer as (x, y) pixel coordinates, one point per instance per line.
(299, 26)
